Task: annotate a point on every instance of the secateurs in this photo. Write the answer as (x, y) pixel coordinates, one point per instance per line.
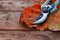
(36, 15)
(46, 9)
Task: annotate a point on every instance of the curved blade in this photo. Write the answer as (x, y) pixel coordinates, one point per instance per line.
(42, 17)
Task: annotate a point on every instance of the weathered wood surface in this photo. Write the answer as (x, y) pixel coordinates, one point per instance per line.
(10, 12)
(25, 35)
(9, 20)
(28, 35)
(13, 5)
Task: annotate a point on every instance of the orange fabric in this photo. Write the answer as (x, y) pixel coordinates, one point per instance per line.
(53, 1)
(28, 12)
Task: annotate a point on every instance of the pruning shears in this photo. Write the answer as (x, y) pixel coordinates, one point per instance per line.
(46, 9)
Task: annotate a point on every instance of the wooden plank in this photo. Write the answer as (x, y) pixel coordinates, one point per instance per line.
(26, 35)
(9, 20)
(13, 5)
(29, 35)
